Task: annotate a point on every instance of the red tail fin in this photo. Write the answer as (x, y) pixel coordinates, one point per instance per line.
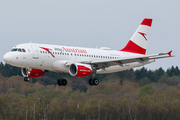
(138, 42)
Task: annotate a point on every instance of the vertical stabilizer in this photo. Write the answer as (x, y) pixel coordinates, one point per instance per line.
(138, 42)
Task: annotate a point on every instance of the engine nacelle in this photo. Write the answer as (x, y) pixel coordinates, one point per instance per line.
(80, 70)
(32, 73)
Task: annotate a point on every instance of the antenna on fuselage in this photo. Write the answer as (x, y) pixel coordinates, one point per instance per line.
(30, 41)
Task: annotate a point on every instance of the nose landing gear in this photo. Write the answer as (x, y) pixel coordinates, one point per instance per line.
(27, 79)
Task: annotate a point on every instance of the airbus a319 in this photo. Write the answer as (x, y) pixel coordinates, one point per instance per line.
(37, 59)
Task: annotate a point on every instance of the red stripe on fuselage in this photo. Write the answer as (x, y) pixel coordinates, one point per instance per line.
(133, 48)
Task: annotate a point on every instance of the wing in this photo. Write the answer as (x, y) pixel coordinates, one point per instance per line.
(102, 64)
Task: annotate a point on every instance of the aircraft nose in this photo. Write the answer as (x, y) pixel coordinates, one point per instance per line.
(7, 58)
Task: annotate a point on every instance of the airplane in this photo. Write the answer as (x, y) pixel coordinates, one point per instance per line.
(38, 59)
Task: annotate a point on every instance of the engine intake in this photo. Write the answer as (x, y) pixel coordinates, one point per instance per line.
(80, 70)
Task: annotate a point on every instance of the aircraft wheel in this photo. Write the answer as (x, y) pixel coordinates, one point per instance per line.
(64, 82)
(95, 81)
(59, 82)
(26, 79)
(91, 81)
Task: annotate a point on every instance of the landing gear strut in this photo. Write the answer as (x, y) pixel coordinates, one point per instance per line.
(62, 81)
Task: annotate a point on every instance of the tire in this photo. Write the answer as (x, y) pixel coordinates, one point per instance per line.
(91, 81)
(95, 81)
(26, 79)
(59, 82)
(64, 82)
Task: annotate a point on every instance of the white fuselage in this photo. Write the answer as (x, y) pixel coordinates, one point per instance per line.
(54, 57)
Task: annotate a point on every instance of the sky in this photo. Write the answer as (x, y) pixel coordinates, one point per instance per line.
(91, 23)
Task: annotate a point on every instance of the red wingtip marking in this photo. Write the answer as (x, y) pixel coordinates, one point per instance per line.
(147, 22)
(169, 53)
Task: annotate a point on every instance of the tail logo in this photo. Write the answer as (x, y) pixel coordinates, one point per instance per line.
(144, 35)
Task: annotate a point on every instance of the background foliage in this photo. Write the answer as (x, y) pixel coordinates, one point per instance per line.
(127, 95)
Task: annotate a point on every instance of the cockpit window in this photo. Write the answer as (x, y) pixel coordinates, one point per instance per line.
(18, 50)
(23, 50)
(13, 50)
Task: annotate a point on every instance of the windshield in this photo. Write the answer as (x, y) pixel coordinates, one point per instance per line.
(18, 50)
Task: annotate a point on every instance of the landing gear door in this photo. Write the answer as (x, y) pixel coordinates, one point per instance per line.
(35, 52)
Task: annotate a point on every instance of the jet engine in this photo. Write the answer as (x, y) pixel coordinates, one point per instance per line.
(32, 73)
(80, 70)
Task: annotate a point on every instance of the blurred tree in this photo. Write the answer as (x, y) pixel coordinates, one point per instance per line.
(146, 90)
(141, 73)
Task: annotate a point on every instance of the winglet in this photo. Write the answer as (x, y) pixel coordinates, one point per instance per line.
(169, 53)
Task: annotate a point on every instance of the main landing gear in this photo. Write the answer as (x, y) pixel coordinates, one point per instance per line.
(62, 81)
(93, 81)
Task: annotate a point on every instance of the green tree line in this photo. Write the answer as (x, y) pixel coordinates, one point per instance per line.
(127, 95)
